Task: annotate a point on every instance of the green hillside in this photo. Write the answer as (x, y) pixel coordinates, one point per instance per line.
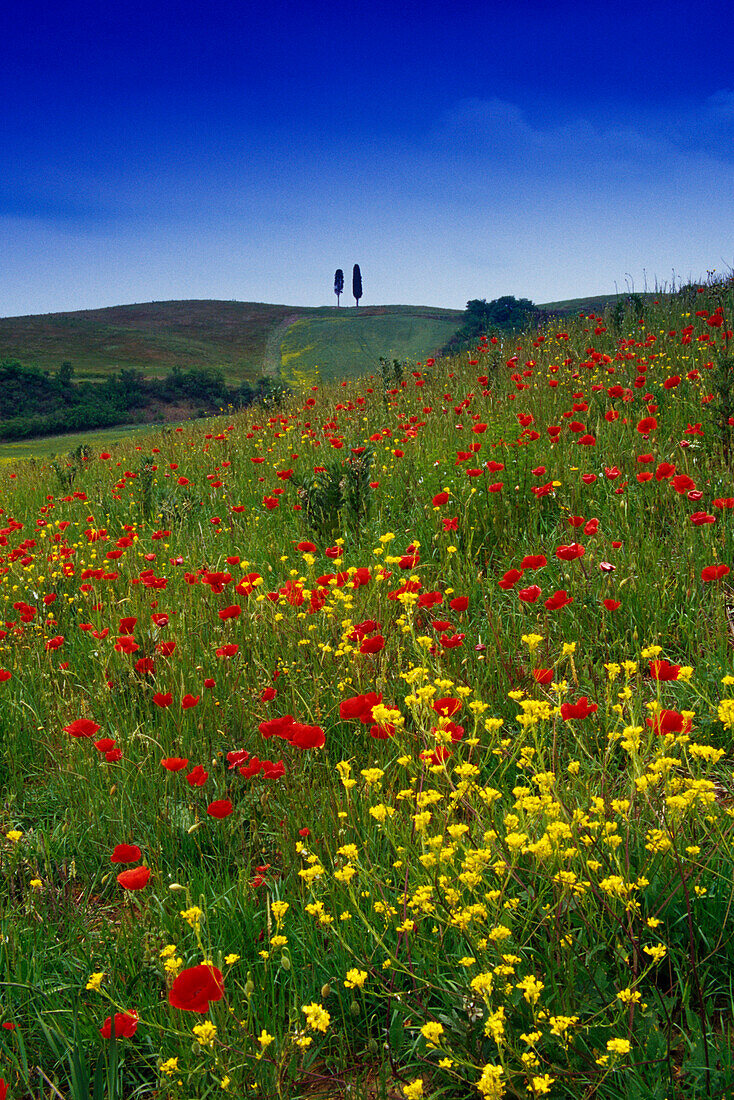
(242, 339)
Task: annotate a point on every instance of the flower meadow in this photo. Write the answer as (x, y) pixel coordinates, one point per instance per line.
(378, 743)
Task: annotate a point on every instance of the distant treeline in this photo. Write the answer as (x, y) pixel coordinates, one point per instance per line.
(34, 402)
(483, 318)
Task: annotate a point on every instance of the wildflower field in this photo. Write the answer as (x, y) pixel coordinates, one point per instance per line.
(378, 743)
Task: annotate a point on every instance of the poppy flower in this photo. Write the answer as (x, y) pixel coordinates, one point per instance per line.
(446, 707)
(134, 879)
(104, 744)
(558, 600)
(571, 552)
(174, 763)
(189, 701)
(459, 603)
(714, 572)
(646, 425)
(529, 595)
(611, 605)
(4, 675)
(197, 777)
(126, 1024)
(306, 737)
(268, 694)
(227, 650)
(194, 988)
(163, 698)
(543, 675)
(359, 707)
(533, 561)
(277, 727)
(82, 727)
(373, 644)
(439, 499)
(510, 579)
(663, 670)
(219, 809)
(125, 853)
(700, 519)
(578, 710)
(232, 612)
(669, 721)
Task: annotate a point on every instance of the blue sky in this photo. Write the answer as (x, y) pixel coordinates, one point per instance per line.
(240, 150)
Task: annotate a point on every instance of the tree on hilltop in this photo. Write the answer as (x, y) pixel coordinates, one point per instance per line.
(356, 283)
(338, 284)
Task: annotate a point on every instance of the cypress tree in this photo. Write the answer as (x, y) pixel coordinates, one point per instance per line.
(356, 283)
(338, 283)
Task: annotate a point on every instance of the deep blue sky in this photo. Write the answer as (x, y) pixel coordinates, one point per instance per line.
(240, 150)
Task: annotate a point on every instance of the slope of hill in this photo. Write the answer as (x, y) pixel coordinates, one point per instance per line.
(243, 339)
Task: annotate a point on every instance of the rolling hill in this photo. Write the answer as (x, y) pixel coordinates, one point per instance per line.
(242, 339)
(245, 340)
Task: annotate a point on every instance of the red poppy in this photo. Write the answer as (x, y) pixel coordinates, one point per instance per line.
(194, 988)
(227, 650)
(447, 707)
(714, 572)
(174, 763)
(664, 471)
(232, 612)
(669, 721)
(533, 561)
(611, 605)
(189, 701)
(558, 600)
(4, 676)
(459, 603)
(373, 644)
(529, 595)
(578, 710)
(126, 1024)
(543, 675)
(219, 809)
(571, 552)
(82, 727)
(306, 737)
(104, 744)
(126, 853)
(134, 879)
(439, 499)
(646, 425)
(359, 707)
(277, 727)
(663, 670)
(197, 777)
(163, 698)
(700, 519)
(268, 694)
(510, 579)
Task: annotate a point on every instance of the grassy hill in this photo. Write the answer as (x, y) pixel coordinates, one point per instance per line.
(243, 339)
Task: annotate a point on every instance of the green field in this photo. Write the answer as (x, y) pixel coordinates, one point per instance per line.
(51, 446)
(335, 346)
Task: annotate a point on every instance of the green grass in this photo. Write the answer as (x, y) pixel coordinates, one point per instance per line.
(52, 446)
